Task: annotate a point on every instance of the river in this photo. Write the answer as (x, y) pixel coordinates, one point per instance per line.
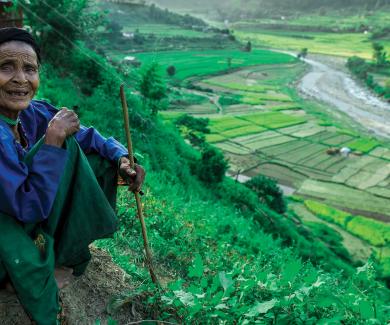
(330, 83)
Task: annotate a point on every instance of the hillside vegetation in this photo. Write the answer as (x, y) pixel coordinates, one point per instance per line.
(222, 254)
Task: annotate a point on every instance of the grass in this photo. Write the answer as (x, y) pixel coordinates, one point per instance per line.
(164, 30)
(260, 144)
(273, 120)
(331, 18)
(233, 148)
(341, 44)
(260, 98)
(374, 232)
(344, 196)
(222, 124)
(363, 144)
(237, 85)
(200, 63)
(245, 130)
(381, 152)
(213, 138)
(328, 213)
(228, 127)
(383, 256)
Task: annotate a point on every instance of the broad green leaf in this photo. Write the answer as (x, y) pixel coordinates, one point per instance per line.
(330, 321)
(311, 277)
(325, 301)
(221, 306)
(291, 270)
(186, 298)
(204, 283)
(366, 310)
(196, 271)
(261, 308)
(225, 280)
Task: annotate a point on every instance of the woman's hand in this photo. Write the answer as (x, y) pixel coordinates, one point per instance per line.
(63, 124)
(134, 177)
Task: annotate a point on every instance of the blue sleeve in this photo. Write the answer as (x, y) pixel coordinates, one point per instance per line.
(90, 140)
(28, 192)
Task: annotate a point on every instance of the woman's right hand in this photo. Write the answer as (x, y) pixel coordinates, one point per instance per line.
(63, 124)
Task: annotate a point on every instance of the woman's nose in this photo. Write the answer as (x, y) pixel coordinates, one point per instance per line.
(19, 76)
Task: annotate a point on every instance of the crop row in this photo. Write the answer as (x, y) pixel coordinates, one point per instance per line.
(190, 63)
(344, 196)
(374, 232)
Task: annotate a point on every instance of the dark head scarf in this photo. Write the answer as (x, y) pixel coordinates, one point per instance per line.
(18, 34)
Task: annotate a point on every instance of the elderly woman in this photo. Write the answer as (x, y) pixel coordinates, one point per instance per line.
(57, 183)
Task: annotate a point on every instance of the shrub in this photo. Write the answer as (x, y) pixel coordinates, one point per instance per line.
(358, 66)
(193, 123)
(171, 70)
(268, 192)
(212, 166)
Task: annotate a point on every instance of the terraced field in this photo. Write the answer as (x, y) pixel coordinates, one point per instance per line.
(201, 63)
(273, 135)
(164, 30)
(262, 128)
(340, 44)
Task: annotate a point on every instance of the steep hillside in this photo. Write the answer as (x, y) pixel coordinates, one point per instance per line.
(222, 254)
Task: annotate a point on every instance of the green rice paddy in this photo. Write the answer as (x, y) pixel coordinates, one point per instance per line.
(341, 44)
(200, 63)
(262, 129)
(164, 30)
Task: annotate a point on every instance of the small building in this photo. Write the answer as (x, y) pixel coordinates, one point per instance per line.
(9, 16)
(345, 151)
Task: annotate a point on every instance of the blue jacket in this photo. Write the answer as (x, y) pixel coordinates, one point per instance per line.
(28, 192)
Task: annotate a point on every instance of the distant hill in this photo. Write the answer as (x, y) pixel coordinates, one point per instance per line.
(241, 9)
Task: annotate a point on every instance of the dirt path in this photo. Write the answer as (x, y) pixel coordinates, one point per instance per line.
(329, 82)
(213, 98)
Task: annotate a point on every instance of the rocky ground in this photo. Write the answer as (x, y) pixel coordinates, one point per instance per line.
(328, 81)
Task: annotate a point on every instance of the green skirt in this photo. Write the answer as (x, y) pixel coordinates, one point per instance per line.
(82, 212)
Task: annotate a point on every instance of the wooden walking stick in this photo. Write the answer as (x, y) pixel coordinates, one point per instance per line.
(148, 254)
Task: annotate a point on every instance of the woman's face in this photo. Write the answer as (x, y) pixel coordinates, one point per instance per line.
(19, 77)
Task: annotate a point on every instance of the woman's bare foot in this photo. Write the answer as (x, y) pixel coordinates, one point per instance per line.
(9, 287)
(63, 275)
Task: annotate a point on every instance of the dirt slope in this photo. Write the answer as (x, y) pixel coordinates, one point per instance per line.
(85, 299)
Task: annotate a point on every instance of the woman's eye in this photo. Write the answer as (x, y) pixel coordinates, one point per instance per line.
(6, 67)
(30, 69)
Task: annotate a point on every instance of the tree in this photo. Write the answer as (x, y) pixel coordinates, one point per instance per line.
(153, 87)
(193, 123)
(268, 192)
(193, 129)
(358, 66)
(212, 166)
(171, 70)
(229, 62)
(57, 24)
(248, 46)
(303, 53)
(379, 55)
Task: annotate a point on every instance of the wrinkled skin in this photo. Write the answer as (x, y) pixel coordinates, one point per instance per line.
(19, 82)
(134, 177)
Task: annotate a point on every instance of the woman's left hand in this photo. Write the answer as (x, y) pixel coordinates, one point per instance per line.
(134, 177)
